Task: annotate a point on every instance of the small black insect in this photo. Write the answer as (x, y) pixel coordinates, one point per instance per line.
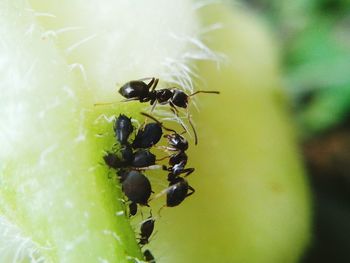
(177, 191)
(112, 160)
(143, 158)
(135, 186)
(175, 140)
(132, 209)
(123, 128)
(148, 136)
(139, 90)
(146, 231)
(148, 256)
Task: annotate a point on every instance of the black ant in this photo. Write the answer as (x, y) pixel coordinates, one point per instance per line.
(139, 90)
(177, 192)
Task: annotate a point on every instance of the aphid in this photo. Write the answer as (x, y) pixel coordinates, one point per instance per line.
(146, 231)
(148, 136)
(148, 256)
(135, 186)
(143, 158)
(132, 209)
(178, 190)
(114, 161)
(123, 128)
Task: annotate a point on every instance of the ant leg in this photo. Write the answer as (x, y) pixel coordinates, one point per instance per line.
(187, 171)
(204, 91)
(143, 79)
(130, 99)
(192, 191)
(165, 168)
(151, 167)
(153, 103)
(166, 148)
(153, 84)
(151, 117)
(160, 210)
(176, 113)
(163, 158)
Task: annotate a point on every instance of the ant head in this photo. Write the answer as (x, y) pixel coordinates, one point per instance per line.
(180, 98)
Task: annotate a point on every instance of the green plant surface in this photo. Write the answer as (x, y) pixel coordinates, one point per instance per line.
(58, 201)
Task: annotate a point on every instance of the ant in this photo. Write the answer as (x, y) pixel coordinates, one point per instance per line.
(177, 191)
(139, 90)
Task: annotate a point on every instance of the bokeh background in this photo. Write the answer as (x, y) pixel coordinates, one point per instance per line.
(315, 44)
(281, 193)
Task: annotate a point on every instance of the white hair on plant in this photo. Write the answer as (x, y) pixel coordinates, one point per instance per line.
(16, 247)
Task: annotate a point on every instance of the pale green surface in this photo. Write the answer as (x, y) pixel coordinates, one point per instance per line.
(56, 201)
(53, 186)
(252, 202)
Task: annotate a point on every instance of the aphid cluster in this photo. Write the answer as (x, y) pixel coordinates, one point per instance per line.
(134, 157)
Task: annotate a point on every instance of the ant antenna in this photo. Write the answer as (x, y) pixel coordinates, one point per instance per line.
(193, 129)
(204, 91)
(105, 103)
(176, 113)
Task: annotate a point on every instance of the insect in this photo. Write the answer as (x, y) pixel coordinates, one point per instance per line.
(143, 158)
(123, 128)
(139, 90)
(148, 256)
(175, 140)
(132, 209)
(178, 190)
(146, 230)
(148, 136)
(140, 159)
(135, 186)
